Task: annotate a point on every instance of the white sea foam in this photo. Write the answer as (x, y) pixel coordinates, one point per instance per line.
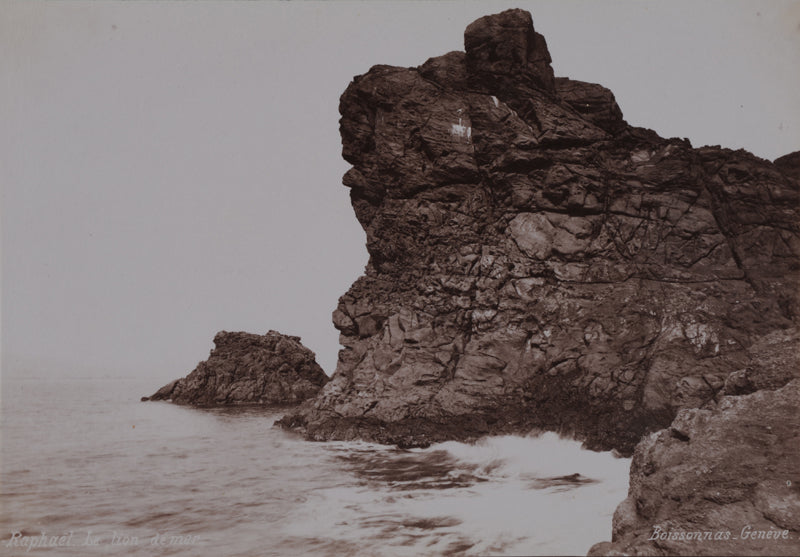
(539, 495)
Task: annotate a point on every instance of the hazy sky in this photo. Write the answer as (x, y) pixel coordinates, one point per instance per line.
(169, 170)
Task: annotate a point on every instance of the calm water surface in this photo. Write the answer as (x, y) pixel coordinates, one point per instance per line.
(85, 456)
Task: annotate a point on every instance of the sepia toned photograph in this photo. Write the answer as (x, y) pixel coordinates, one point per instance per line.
(399, 278)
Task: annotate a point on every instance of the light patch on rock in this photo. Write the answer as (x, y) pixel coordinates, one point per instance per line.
(533, 233)
(642, 155)
(460, 130)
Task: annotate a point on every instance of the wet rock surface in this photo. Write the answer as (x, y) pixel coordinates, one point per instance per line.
(536, 262)
(246, 368)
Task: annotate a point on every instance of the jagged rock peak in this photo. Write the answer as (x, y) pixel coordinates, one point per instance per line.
(505, 45)
(226, 339)
(245, 368)
(789, 164)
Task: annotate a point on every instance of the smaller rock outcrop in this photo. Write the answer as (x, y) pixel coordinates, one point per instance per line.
(592, 101)
(245, 368)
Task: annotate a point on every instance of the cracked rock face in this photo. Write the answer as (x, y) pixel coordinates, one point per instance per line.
(244, 368)
(537, 262)
(716, 482)
(724, 479)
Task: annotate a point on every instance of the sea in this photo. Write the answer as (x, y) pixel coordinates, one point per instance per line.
(88, 469)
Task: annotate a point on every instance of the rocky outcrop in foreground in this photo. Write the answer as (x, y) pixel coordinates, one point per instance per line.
(535, 261)
(723, 480)
(244, 368)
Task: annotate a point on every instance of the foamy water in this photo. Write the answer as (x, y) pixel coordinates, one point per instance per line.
(85, 457)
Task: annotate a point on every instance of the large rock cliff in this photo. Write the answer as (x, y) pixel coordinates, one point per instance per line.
(244, 368)
(535, 261)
